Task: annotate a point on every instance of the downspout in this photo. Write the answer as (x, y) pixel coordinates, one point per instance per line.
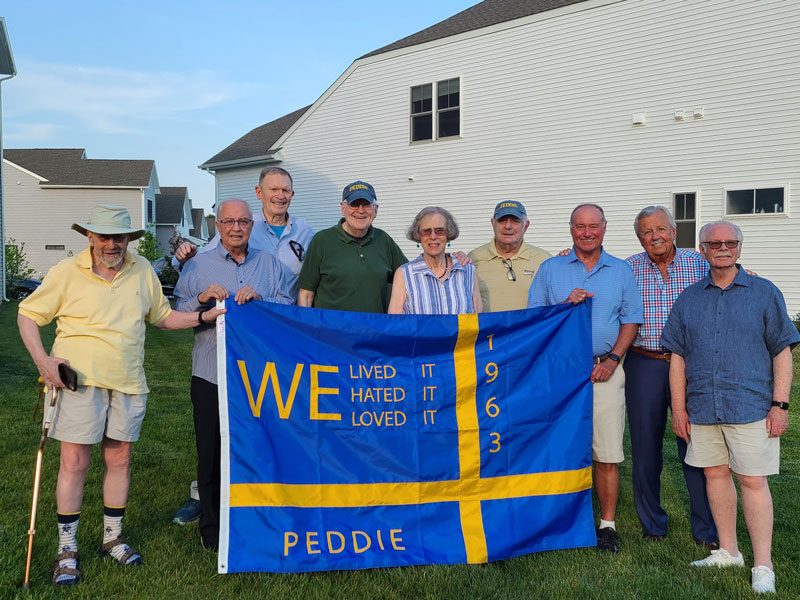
(3, 296)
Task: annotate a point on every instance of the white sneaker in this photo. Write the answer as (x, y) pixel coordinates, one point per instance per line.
(720, 558)
(763, 580)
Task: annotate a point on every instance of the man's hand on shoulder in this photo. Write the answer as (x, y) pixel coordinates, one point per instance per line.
(185, 251)
(777, 421)
(578, 295)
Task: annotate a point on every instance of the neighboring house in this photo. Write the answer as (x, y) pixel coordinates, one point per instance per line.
(199, 230)
(45, 190)
(690, 104)
(173, 215)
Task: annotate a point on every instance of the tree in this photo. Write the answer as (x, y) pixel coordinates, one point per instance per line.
(149, 247)
(16, 260)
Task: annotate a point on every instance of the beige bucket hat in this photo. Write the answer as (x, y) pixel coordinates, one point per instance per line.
(109, 219)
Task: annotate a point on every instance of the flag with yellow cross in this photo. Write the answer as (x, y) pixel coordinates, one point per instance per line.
(353, 441)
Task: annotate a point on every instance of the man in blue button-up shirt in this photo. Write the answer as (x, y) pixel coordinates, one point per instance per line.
(232, 269)
(588, 271)
(730, 378)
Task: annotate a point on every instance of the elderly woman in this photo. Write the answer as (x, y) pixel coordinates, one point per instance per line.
(435, 283)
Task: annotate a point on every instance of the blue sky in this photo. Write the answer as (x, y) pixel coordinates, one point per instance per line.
(178, 81)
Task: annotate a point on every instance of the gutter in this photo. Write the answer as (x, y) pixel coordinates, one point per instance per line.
(3, 297)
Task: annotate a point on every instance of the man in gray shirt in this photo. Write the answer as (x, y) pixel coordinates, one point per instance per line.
(230, 269)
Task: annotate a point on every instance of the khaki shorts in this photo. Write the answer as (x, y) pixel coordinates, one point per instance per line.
(608, 418)
(744, 447)
(91, 413)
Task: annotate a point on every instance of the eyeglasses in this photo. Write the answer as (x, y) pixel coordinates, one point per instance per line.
(297, 248)
(594, 227)
(228, 223)
(117, 238)
(428, 232)
(511, 275)
(716, 245)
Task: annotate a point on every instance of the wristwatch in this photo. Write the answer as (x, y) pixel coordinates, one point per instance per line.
(783, 405)
(200, 317)
(613, 357)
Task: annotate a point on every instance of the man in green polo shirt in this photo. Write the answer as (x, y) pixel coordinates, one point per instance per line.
(350, 266)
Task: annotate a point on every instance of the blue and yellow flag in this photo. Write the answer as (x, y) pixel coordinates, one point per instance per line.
(352, 441)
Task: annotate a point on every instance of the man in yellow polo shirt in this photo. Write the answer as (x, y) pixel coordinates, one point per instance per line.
(100, 299)
(507, 264)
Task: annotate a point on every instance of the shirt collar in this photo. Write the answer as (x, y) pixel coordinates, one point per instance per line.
(603, 261)
(742, 278)
(522, 252)
(222, 251)
(347, 238)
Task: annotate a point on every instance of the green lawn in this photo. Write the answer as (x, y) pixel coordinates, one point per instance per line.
(177, 567)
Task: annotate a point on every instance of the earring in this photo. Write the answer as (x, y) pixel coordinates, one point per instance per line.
(448, 244)
(417, 245)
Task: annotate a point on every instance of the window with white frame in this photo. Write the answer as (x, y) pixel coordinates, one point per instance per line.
(755, 201)
(438, 113)
(685, 210)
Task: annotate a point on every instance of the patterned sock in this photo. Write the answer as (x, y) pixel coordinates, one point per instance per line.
(193, 493)
(67, 541)
(112, 528)
(604, 524)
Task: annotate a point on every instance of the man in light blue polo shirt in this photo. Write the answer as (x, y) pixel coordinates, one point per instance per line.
(589, 272)
(274, 230)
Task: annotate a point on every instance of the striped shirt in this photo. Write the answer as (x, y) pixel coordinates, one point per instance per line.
(426, 294)
(260, 270)
(658, 296)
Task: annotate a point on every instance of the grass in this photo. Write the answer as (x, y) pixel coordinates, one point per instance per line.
(177, 567)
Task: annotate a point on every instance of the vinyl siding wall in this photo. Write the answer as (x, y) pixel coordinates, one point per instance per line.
(39, 216)
(546, 111)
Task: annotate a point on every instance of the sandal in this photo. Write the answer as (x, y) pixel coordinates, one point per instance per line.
(105, 550)
(58, 570)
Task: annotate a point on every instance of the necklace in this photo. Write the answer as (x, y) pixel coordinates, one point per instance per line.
(446, 270)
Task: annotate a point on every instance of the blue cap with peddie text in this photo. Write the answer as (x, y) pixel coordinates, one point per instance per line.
(510, 207)
(359, 190)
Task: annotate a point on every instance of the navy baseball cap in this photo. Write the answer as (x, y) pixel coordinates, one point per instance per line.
(510, 207)
(359, 190)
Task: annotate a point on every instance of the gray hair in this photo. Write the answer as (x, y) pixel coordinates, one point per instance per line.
(704, 229)
(649, 211)
(580, 206)
(227, 200)
(450, 223)
(274, 171)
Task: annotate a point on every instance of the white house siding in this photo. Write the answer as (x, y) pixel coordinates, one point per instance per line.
(240, 183)
(42, 216)
(546, 111)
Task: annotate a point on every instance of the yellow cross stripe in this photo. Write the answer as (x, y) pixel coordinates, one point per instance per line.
(469, 447)
(348, 495)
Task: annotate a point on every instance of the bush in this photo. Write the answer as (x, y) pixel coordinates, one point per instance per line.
(149, 247)
(797, 321)
(16, 260)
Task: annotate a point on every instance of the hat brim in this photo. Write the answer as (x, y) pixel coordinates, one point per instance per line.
(82, 228)
(505, 212)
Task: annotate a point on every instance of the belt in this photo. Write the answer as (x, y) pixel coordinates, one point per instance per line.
(665, 356)
(601, 358)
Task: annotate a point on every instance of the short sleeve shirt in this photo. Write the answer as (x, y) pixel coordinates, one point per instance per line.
(100, 325)
(728, 339)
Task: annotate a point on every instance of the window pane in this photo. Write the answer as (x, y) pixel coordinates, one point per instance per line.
(769, 200)
(680, 206)
(422, 98)
(689, 206)
(685, 237)
(449, 123)
(740, 202)
(447, 94)
(421, 128)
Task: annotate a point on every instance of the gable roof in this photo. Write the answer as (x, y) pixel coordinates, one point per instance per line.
(257, 142)
(485, 14)
(197, 222)
(70, 167)
(169, 205)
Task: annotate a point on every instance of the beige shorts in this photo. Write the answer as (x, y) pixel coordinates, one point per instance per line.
(744, 447)
(608, 418)
(91, 413)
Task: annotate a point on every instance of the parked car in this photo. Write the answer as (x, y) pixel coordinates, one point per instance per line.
(166, 274)
(19, 288)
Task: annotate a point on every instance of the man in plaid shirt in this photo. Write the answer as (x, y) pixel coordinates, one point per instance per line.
(662, 272)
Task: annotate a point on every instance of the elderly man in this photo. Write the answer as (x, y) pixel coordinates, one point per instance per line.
(588, 271)
(507, 264)
(662, 272)
(731, 376)
(229, 269)
(274, 230)
(351, 265)
(100, 299)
